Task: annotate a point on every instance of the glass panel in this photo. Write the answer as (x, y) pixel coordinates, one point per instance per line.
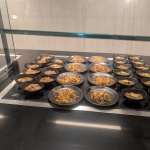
(110, 17)
(7, 52)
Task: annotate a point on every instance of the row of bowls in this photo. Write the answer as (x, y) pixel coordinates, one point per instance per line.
(90, 77)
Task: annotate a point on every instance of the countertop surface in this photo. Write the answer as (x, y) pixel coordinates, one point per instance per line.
(30, 128)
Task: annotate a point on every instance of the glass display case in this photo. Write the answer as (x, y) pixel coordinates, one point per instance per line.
(74, 74)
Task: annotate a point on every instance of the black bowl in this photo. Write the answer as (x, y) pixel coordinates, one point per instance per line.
(127, 65)
(59, 69)
(104, 64)
(42, 64)
(130, 72)
(139, 57)
(90, 59)
(26, 65)
(80, 64)
(69, 59)
(124, 56)
(46, 83)
(143, 80)
(45, 55)
(53, 93)
(110, 91)
(92, 76)
(140, 61)
(39, 69)
(25, 84)
(138, 72)
(63, 60)
(144, 93)
(125, 61)
(136, 66)
(47, 69)
(135, 81)
(70, 73)
(22, 76)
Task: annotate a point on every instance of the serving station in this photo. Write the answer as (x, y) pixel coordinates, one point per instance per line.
(78, 124)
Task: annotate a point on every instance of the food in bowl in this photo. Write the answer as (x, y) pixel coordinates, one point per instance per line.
(46, 79)
(139, 63)
(100, 68)
(31, 71)
(145, 74)
(46, 57)
(122, 67)
(126, 82)
(123, 73)
(134, 58)
(24, 79)
(104, 81)
(147, 83)
(42, 61)
(133, 95)
(120, 62)
(70, 79)
(56, 66)
(142, 68)
(100, 97)
(119, 57)
(98, 59)
(33, 87)
(66, 96)
(58, 61)
(50, 72)
(74, 67)
(77, 59)
(33, 66)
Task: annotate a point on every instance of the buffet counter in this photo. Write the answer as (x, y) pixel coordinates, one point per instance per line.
(35, 122)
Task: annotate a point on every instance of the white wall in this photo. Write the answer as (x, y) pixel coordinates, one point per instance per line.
(122, 17)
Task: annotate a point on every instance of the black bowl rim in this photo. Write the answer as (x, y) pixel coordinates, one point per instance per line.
(104, 64)
(44, 75)
(49, 64)
(66, 86)
(41, 84)
(100, 104)
(27, 64)
(66, 73)
(142, 71)
(27, 75)
(63, 59)
(126, 70)
(134, 89)
(49, 68)
(125, 60)
(102, 74)
(39, 69)
(140, 57)
(41, 55)
(85, 66)
(128, 78)
(121, 55)
(84, 57)
(145, 65)
(105, 58)
(129, 66)
(144, 62)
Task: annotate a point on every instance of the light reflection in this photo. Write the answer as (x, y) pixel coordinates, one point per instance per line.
(1, 117)
(14, 16)
(89, 125)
